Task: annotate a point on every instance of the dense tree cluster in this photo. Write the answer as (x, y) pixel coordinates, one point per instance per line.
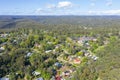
(34, 47)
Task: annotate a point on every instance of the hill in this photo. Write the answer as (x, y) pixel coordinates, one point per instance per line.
(83, 21)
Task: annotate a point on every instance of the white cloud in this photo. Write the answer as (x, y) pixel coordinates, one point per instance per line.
(62, 7)
(64, 4)
(113, 12)
(50, 6)
(92, 4)
(93, 0)
(109, 3)
(44, 11)
(106, 12)
(39, 10)
(61, 4)
(93, 12)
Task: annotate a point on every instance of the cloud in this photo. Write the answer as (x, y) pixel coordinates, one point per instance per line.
(109, 3)
(92, 12)
(42, 11)
(60, 5)
(93, 0)
(64, 4)
(39, 10)
(113, 12)
(92, 4)
(52, 9)
(106, 12)
(50, 6)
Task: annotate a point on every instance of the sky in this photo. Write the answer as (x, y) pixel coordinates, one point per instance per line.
(59, 7)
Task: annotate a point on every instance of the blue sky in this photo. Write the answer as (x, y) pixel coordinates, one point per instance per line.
(59, 7)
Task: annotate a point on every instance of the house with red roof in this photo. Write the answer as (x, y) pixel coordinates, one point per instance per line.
(77, 61)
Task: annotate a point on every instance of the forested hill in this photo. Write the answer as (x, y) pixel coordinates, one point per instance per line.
(83, 21)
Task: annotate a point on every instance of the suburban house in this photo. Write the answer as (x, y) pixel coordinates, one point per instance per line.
(29, 54)
(4, 79)
(84, 39)
(77, 61)
(3, 35)
(57, 64)
(40, 78)
(48, 51)
(66, 73)
(37, 45)
(36, 73)
(53, 78)
(2, 48)
(57, 78)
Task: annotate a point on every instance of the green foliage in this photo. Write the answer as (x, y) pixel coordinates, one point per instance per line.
(79, 53)
(23, 39)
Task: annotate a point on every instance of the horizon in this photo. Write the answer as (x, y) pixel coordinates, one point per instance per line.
(61, 15)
